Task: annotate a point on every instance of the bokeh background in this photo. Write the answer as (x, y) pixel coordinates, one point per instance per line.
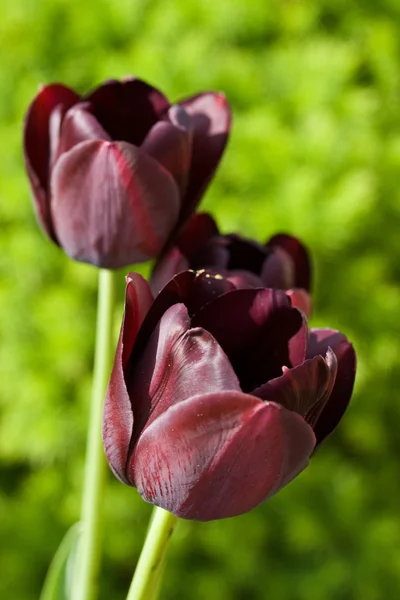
(314, 151)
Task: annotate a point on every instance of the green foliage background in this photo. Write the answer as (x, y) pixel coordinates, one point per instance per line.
(315, 151)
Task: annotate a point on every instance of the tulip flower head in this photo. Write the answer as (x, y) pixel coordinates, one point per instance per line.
(282, 262)
(219, 395)
(116, 172)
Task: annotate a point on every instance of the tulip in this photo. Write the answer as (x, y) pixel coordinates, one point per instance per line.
(218, 396)
(115, 173)
(282, 262)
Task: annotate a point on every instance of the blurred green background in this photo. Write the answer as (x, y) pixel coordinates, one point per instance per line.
(314, 151)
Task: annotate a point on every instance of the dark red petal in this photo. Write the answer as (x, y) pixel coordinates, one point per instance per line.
(79, 125)
(300, 299)
(196, 232)
(244, 279)
(176, 363)
(37, 145)
(128, 109)
(246, 254)
(278, 270)
(214, 255)
(220, 455)
(176, 258)
(138, 301)
(171, 264)
(304, 389)
(299, 255)
(112, 204)
(191, 288)
(211, 121)
(298, 343)
(117, 414)
(320, 340)
(170, 143)
(258, 330)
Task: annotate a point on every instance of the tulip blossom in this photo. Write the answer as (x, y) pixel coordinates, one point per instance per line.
(115, 173)
(282, 262)
(219, 395)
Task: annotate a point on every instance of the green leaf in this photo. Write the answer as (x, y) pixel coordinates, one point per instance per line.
(59, 576)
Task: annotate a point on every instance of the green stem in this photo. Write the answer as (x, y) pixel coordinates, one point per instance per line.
(152, 556)
(157, 584)
(88, 557)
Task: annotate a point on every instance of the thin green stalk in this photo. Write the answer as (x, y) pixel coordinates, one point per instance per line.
(157, 583)
(153, 552)
(88, 557)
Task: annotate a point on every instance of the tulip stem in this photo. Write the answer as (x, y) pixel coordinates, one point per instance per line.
(89, 548)
(149, 568)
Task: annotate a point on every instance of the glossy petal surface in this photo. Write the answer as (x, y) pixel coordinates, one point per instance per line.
(118, 415)
(320, 340)
(258, 330)
(130, 203)
(220, 455)
(178, 362)
(170, 143)
(194, 289)
(304, 389)
(211, 121)
(37, 144)
(79, 125)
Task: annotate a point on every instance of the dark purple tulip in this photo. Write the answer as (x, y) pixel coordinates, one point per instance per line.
(115, 173)
(219, 395)
(281, 263)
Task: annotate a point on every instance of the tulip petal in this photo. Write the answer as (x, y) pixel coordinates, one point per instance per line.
(195, 289)
(117, 414)
(127, 109)
(278, 270)
(192, 238)
(299, 255)
(170, 265)
(196, 232)
(320, 340)
(304, 389)
(169, 142)
(130, 203)
(244, 279)
(246, 254)
(214, 255)
(227, 253)
(79, 125)
(37, 145)
(138, 301)
(258, 330)
(177, 362)
(300, 299)
(211, 121)
(220, 455)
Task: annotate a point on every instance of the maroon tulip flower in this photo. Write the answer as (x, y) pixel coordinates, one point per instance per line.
(116, 172)
(218, 395)
(282, 263)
